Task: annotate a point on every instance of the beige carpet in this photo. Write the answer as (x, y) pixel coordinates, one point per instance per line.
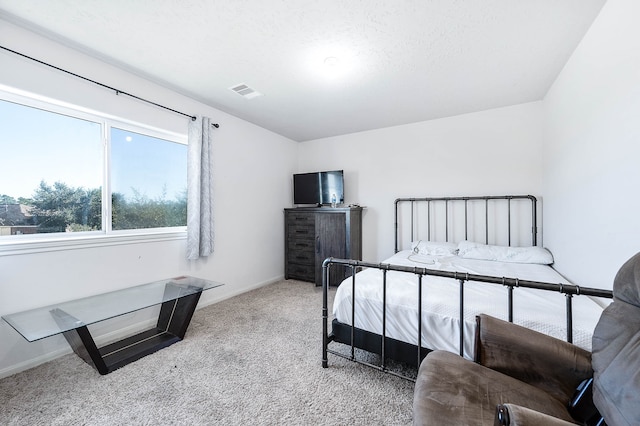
(252, 359)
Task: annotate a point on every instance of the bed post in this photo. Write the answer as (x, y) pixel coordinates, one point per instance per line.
(509, 222)
(461, 313)
(383, 354)
(325, 312)
(569, 311)
(419, 320)
(534, 220)
(396, 223)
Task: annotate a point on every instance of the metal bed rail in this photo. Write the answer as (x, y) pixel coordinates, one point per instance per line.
(569, 290)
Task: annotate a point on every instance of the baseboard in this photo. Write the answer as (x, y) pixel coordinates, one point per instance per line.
(215, 300)
(33, 362)
(120, 333)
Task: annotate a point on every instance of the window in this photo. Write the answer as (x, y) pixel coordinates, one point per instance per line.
(67, 173)
(148, 181)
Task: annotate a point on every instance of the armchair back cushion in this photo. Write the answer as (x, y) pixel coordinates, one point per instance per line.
(616, 350)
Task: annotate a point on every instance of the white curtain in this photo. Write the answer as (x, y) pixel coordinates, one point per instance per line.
(200, 189)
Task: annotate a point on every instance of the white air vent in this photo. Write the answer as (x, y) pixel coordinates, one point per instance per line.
(245, 91)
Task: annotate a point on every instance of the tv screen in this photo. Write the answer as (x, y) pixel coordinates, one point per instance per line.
(318, 187)
(306, 187)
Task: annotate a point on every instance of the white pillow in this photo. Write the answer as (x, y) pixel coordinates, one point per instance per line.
(538, 255)
(432, 248)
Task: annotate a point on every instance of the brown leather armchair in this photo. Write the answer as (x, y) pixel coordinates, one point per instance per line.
(522, 377)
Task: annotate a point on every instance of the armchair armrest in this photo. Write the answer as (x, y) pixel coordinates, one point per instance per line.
(553, 365)
(514, 415)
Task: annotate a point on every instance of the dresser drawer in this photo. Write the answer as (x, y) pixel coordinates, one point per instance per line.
(301, 231)
(305, 257)
(301, 272)
(301, 219)
(306, 245)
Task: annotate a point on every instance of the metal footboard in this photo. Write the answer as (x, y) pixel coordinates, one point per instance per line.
(511, 283)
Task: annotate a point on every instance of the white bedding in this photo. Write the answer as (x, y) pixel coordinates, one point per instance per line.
(544, 311)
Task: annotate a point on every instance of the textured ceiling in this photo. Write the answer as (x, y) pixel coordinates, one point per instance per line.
(399, 61)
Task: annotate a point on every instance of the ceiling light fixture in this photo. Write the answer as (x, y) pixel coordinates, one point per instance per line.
(333, 68)
(330, 64)
(331, 61)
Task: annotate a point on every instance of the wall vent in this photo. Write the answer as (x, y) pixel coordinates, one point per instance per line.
(245, 91)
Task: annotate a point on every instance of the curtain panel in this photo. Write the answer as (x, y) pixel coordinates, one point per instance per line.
(200, 189)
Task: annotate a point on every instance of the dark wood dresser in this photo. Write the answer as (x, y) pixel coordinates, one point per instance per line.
(313, 234)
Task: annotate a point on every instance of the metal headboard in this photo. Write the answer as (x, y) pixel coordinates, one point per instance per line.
(455, 218)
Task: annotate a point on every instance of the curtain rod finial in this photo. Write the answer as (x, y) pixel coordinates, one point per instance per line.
(216, 125)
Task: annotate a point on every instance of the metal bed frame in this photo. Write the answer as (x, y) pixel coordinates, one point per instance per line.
(391, 349)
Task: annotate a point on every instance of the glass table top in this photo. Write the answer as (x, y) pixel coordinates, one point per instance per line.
(39, 323)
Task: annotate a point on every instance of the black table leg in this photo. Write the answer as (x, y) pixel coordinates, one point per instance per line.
(173, 320)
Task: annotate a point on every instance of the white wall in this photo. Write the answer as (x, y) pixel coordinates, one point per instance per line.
(493, 152)
(252, 179)
(592, 150)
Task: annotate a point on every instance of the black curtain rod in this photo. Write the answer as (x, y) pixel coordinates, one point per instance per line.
(118, 92)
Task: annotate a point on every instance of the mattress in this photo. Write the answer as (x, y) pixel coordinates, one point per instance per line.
(544, 311)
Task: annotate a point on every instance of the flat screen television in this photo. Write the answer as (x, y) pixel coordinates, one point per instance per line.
(318, 187)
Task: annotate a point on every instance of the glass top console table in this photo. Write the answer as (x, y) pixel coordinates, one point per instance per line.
(177, 298)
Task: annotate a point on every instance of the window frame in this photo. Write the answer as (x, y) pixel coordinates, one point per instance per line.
(36, 243)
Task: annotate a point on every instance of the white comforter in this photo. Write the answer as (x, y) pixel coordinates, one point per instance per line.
(540, 310)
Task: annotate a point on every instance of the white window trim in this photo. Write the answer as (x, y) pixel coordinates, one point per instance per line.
(38, 243)
(30, 246)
